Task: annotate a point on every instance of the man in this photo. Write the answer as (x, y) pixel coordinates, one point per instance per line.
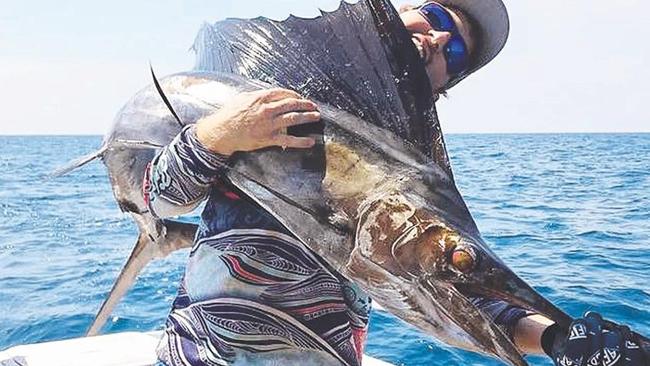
(252, 293)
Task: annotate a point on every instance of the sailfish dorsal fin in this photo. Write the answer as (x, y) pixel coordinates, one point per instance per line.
(358, 58)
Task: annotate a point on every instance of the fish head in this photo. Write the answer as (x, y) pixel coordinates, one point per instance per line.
(427, 267)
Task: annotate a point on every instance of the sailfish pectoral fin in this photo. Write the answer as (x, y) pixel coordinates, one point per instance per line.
(178, 235)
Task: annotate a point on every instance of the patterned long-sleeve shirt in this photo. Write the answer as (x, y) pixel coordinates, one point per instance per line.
(252, 293)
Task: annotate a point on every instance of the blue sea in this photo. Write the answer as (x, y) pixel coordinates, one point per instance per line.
(570, 213)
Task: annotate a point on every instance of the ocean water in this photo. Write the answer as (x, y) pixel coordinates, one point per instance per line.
(568, 213)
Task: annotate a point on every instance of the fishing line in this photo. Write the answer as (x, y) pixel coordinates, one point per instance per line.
(164, 97)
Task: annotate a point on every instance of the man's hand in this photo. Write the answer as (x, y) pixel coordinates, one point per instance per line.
(590, 343)
(256, 120)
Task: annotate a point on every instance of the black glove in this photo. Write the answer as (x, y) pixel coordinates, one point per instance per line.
(591, 342)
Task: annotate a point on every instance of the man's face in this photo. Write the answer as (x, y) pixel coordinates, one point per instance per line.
(431, 43)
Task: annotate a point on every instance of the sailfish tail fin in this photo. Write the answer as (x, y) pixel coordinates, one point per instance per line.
(177, 235)
(141, 255)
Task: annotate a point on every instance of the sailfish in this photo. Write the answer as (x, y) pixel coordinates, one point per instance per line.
(375, 197)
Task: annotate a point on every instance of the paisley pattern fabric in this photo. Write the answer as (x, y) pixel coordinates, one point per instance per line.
(180, 176)
(252, 294)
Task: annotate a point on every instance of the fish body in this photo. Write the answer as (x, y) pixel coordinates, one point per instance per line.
(377, 209)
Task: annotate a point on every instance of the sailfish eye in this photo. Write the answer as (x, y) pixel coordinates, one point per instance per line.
(463, 260)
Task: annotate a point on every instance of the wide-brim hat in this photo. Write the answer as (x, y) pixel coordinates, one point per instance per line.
(491, 18)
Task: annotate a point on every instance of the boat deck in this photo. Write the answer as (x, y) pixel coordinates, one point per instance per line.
(119, 349)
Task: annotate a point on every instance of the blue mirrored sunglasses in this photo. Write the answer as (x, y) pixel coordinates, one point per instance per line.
(456, 52)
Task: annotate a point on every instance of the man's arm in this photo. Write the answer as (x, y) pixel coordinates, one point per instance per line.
(588, 341)
(524, 327)
(179, 177)
(528, 332)
(535, 334)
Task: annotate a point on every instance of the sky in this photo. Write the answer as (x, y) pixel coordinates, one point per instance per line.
(66, 67)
